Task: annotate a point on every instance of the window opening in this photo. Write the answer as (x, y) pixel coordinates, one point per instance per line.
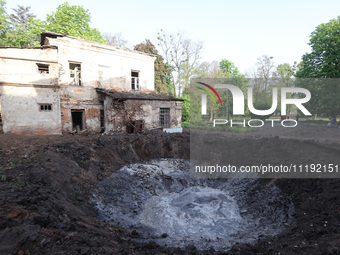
(75, 74)
(134, 80)
(164, 118)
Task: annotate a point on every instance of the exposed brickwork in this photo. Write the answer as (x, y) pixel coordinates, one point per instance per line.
(120, 113)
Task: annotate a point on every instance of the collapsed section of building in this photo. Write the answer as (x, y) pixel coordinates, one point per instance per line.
(70, 84)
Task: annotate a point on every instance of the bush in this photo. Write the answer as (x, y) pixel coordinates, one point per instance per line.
(186, 124)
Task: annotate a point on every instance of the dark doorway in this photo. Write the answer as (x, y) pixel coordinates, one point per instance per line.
(102, 121)
(134, 127)
(77, 120)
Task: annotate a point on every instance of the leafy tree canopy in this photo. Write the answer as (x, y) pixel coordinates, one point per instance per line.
(74, 20)
(115, 39)
(229, 69)
(22, 15)
(163, 83)
(324, 60)
(23, 29)
(3, 21)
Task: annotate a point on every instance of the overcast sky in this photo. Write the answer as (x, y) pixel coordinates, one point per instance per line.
(239, 31)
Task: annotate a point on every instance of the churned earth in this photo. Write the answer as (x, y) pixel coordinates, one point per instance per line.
(47, 186)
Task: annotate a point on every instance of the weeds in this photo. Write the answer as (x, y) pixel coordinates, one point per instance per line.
(11, 165)
(17, 182)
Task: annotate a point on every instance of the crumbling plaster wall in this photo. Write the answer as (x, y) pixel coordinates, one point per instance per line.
(23, 88)
(80, 98)
(102, 66)
(20, 66)
(118, 113)
(21, 114)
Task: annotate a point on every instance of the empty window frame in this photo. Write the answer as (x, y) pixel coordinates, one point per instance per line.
(164, 117)
(134, 127)
(45, 107)
(43, 68)
(75, 73)
(135, 80)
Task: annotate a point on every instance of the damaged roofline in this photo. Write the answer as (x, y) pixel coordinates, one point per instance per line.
(38, 47)
(123, 96)
(147, 99)
(97, 44)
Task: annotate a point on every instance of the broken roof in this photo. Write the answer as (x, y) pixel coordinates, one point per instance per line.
(39, 47)
(107, 46)
(131, 95)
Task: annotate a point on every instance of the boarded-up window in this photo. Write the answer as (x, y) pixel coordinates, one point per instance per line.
(43, 68)
(164, 118)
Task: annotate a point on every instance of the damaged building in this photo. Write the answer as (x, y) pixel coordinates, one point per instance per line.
(70, 84)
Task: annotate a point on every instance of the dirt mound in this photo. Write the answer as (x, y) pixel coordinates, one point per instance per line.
(45, 184)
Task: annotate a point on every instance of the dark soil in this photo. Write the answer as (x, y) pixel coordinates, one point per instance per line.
(46, 182)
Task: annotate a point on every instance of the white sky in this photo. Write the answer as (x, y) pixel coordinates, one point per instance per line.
(240, 31)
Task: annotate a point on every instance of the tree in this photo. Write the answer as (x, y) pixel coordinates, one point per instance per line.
(3, 22)
(192, 51)
(182, 56)
(224, 72)
(283, 75)
(265, 70)
(323, 62)
(285, 72)
(115, 39)
(262, 80)
(186, 108)
(229, 70)
(73, 20)
(209, 70)
(24, 29)
(22, 15)
(163, 83)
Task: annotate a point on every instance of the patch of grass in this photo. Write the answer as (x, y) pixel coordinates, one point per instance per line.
(3, 177)
(11, 165)
(318, 121)
(17, 182)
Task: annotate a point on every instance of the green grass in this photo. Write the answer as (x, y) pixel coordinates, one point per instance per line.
(319, 121)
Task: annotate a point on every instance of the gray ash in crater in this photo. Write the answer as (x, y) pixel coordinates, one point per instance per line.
(158, 201)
